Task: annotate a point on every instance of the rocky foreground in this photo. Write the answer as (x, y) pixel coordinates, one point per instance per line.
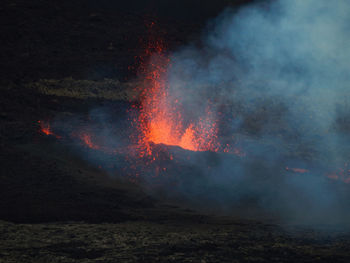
(193, 239)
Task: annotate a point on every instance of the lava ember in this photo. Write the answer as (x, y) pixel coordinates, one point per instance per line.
(162, 117)
(45, 128)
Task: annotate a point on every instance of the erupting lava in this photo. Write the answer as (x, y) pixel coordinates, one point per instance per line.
(161, 119)
(45, 128)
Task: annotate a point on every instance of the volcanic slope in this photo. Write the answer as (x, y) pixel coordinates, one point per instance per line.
(57, 207)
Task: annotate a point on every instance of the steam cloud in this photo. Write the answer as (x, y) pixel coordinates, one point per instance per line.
(284, 69)
(276, 76)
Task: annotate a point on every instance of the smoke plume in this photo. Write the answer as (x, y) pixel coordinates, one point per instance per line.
(278, 75)
(275, 79)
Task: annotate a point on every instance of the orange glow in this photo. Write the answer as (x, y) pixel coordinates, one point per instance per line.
(46, 129)
(94, 142)
(161, 114)
(86, 138)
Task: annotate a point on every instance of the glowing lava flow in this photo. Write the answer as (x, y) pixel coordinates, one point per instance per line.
(161, 119)
(45, 128)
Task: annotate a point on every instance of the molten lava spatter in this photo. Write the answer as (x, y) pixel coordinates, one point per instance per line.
(45, 128)
(161, 119)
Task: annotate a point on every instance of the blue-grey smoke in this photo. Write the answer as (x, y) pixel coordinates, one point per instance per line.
(284, 69)
(276, 77)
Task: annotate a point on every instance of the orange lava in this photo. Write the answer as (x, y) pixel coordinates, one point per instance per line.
(46, 129)
(161, 119)
(86, 138)
(95, 142)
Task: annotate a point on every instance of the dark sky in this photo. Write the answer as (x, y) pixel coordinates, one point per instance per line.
(60, 38)
(198, 10)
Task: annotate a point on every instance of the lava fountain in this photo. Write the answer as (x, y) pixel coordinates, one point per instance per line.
(161, 117)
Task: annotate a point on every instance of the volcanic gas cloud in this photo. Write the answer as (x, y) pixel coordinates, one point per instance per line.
(273, 79)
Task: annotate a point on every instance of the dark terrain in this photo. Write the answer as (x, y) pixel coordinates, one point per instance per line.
(56, 207)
